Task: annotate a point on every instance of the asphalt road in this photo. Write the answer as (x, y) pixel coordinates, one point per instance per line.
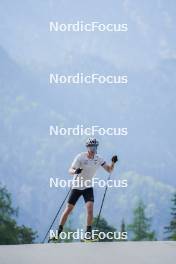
(91, 253)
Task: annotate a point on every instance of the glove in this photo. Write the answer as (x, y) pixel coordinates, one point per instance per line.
(78, 171)
(114, 159)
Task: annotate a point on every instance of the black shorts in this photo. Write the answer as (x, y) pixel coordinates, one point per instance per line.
(87, 194)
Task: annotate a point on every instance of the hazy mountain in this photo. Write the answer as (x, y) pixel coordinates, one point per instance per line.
(28, 53)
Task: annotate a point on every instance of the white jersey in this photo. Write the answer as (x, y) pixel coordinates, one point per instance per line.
(89, 168)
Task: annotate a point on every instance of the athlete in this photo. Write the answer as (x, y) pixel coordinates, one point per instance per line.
(83, 169)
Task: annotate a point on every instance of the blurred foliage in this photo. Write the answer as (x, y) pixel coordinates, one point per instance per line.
(103, 226)
(123, 229)
(10, 232)
(171, 229)
(140, 227)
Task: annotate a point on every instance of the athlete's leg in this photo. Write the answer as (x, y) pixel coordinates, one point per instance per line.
(73, 198)
(89, 200)
(63, 219)
(65, 214)
(89, 208)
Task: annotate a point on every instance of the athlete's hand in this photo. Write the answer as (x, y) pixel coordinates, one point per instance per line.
(78, 171)
(114, 159)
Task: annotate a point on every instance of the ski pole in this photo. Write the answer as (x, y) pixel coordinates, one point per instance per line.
(56, 215)
(99, 214)
(58, 212)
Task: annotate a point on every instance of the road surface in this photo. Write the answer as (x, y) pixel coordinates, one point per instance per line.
(90, 253)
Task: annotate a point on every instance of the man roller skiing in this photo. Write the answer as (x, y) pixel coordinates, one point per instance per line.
(83, 169)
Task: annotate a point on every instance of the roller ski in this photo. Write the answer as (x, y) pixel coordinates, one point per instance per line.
(55, 239)
(89, 237)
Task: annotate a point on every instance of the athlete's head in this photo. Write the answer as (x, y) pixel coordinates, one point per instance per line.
(92, 145)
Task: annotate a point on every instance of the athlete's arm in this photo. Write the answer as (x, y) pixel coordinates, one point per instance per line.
(75, 166)
(73, 171)
(109, 167)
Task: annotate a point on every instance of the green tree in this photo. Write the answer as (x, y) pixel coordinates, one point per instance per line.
(10, 232)
(140, 227)
(25, 235)
(171, 229)
(103, 226)
(123, 230)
